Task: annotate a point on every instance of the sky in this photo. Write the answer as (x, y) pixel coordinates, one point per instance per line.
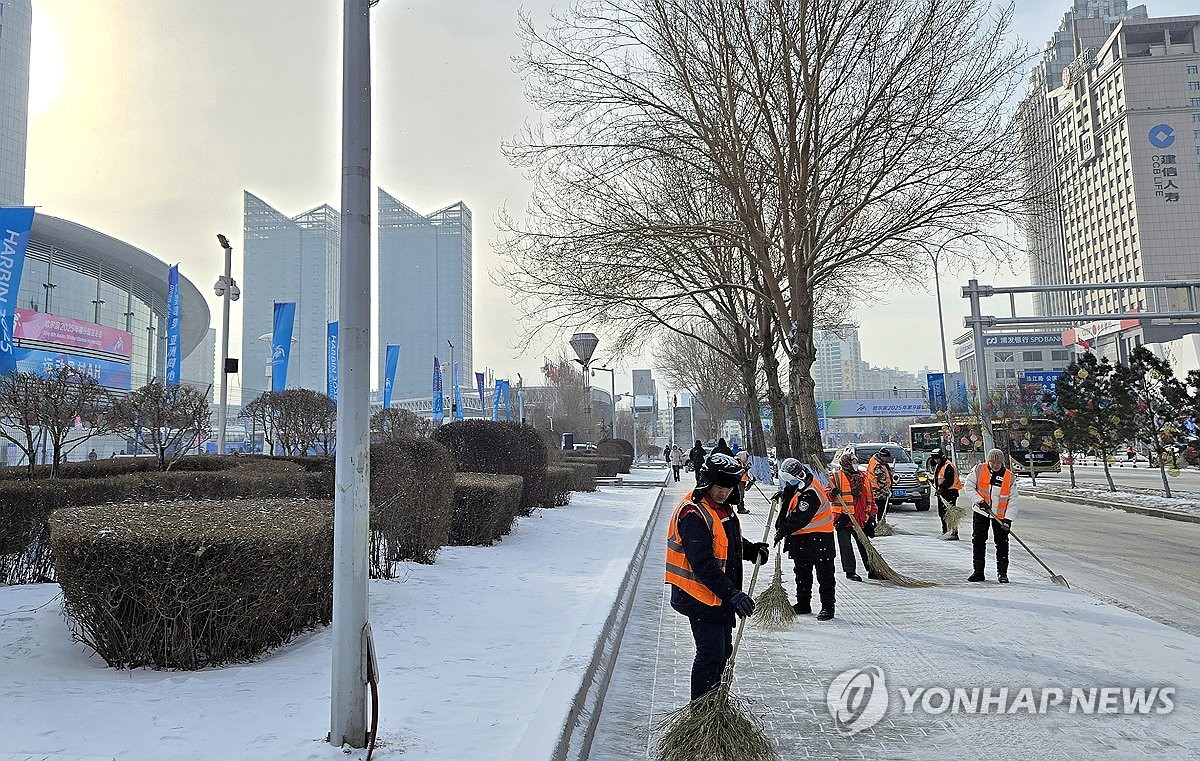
(149, 118)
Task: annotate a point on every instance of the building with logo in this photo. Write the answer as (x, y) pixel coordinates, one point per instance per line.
(288, 259)
(1013, 359)
(1123, 120)
(425, 294)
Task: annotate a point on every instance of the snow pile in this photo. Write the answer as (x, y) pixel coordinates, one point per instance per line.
(1184, 505)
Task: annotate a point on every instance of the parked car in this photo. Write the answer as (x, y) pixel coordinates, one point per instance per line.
(584, 447)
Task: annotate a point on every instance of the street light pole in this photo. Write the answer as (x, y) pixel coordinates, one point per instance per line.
(453, 382)
(612, 377)
(945, 358)
(225, 291)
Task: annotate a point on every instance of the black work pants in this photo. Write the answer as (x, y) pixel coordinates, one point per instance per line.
(944, 503)
(846, 550)
(696, 472)
(813, 552)
(676, 469)
(979, 535)
(714, 645)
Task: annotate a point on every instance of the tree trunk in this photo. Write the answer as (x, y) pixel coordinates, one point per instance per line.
(1162, 471)
(805, 432)
(1107, 474)
(776, 401)
(756, 439)
(1071, 467)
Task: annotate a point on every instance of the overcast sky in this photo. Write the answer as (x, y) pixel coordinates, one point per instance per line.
(149, 118)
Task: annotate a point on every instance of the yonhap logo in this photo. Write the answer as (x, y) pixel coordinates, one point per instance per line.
(857, 699)
(1162, 136)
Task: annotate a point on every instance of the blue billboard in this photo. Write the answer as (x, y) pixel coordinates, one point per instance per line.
(115, 375)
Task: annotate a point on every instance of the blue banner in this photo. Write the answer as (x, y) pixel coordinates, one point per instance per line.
(110, 374)
(16, 221)
(507, 416)
(936, 383)
(439, 405)
(331, 361)
(281, 343)
(496, 402)
(458, 408)
(174, 361)
(1045, 381)
(391, 360)
(479, 383)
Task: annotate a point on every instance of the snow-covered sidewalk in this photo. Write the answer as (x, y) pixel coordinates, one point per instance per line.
(480, 653)
(1027, 634)
(1184, 508)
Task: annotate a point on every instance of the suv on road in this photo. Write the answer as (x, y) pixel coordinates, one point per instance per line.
(909, 482)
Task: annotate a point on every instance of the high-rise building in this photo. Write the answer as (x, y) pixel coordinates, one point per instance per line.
(1082, 31)
(838, 367)
(16, 23)
(288, 259)
(425, 294)
(1124, 122)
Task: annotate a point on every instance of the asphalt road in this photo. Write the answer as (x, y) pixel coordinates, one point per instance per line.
(1141, 477)
(1145, 564)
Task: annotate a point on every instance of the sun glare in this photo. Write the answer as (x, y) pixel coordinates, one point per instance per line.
(46, 69)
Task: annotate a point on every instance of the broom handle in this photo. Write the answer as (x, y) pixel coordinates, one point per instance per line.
(737, 641)
(1025, 546)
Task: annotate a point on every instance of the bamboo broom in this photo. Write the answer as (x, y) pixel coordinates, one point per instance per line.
(719, 725)
(876, 562)
(772, 608)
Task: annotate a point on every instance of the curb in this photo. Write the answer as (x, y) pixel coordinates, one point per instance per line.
(579, 729)
(1138, 509)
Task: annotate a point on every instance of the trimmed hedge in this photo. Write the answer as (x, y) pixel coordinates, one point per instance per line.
(481, 446)
(620, 444)
(485, 507)
(556, 489)
(619, 448)
(607, 467)
(412, 502)
(185, 585)
(117, 466)
(584, 475)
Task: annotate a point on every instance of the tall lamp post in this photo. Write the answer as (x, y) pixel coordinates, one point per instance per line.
(612, 377)
(453, 382)
(228, 290)
(584, 345)
(935, 256)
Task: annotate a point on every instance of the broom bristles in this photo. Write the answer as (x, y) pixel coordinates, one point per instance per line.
(877, 564)
(772, 608)
(717, 726)
(883, 528)
(954, 516)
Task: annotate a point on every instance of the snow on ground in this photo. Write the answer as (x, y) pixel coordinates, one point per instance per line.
(1184, 505)
(476, 653)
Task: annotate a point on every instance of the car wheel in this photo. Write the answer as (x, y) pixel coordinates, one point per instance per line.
(922, 504)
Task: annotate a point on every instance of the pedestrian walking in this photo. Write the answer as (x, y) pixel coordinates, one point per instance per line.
(994, 489)
(696, 455)
(739, 496)
(851, 495)
(946, 486)
(722, 447)
(805, 525)
(92, 455)
(705, 551)
(675, 457)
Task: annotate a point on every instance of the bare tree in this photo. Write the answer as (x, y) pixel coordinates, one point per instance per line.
(262, 413)
(167, 421)
(71, 408)
(842, 138)
(709, 375)
(20, 393)
(396, 423)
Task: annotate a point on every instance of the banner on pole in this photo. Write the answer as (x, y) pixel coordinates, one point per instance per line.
(391, 361)
(331, 361)
(439, 405)
(16, 221)
(174, 361)
(281, 343)
(458, 405)
(479, 383)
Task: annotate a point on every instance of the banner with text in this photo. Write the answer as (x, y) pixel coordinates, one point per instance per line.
(891, 407)
(16, 220)
(331, 360)
(174, 361)
(458, 407)
(479, 383)
(30, 326)
(281, 343)
(107, 372)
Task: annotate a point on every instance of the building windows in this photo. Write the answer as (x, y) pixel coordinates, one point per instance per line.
(1006, 373)
(1062, 355)
(1031, 356)
(1002, 356)
(1195, 102)
(1194, 85)
(1196, 117)
(1193, 70)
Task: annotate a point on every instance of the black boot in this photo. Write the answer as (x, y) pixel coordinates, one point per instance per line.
(802, 608)
(853, 577)
(825, 614)
(1002, 578)
(977, 576)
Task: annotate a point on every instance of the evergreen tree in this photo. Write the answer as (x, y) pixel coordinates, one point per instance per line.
(1156, 398)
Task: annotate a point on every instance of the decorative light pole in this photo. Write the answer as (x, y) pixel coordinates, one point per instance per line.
(228, 290)
(584, 345)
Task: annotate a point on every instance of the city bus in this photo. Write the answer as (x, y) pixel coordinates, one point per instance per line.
(1023, 442)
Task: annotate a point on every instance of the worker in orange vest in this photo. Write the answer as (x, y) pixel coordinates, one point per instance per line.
(946, 486)
(994, 493)
(851, 495)
(805, 525)
(705, 551)
(879, 477)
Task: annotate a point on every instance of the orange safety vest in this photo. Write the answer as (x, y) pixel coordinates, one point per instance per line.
(873, 480)
(845, 499)
(941, 477)
(983, 487)
(679, 570)
(822, 522)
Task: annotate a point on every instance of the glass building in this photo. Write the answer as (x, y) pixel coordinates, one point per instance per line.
(16, 23)
(425, 296)
(76, 272)
(294, 259)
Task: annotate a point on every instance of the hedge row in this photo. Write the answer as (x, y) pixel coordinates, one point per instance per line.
(556, 489)
(485, 507)
(116, 466)
(412, 502)
(481, 446)
(184, 585)
(606, 467)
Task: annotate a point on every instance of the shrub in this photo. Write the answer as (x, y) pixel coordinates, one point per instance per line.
(584, 475)
(412, 502)
(607, 467)
(621, 445)
(485, 507)
(481, 446)
(556, 489)
(185, 585)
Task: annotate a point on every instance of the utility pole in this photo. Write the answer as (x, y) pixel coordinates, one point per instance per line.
(228, 291)
(351, 632)
(453, 383)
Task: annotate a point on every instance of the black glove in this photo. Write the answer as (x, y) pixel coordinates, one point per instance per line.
(842, 521)
(762, 550)
(1007, 523)
(742, 604)
(779, 536)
